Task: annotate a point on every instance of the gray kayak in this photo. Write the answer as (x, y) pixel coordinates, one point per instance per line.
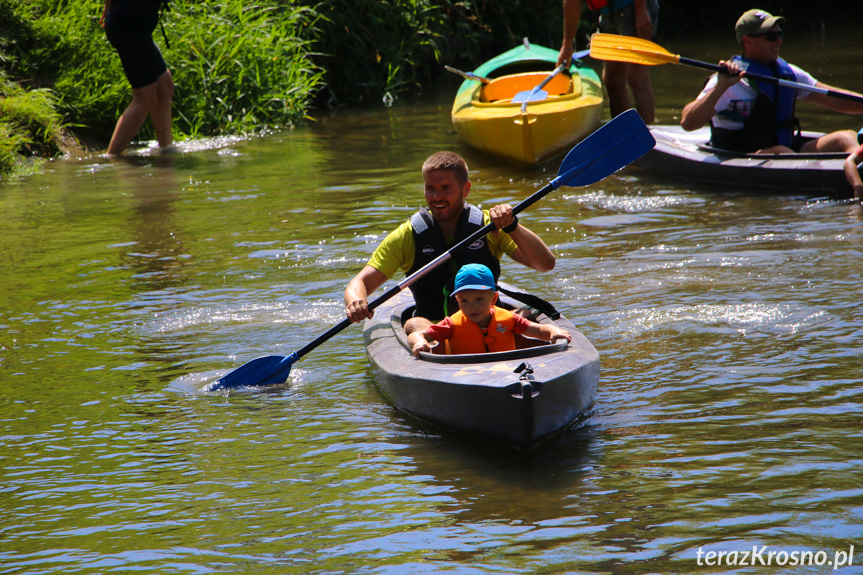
(687, 156)
(519, 398)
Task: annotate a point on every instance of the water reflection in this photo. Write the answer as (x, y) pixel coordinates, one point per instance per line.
(488, 482)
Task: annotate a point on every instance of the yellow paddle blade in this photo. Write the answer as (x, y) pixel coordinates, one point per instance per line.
(629, 49)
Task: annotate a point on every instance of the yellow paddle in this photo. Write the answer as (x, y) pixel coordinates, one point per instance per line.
(638, 51)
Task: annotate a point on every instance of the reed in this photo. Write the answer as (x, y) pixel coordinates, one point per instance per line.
(240, 66)
(29, 126)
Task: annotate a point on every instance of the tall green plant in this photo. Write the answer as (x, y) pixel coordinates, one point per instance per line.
(240, 66)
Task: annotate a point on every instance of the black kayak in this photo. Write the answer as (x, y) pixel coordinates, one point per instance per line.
(518, 398)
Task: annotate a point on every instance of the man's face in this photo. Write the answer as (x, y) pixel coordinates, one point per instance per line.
(444, 195)
(764, 48)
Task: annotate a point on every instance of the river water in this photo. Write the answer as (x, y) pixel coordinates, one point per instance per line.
(728, 322)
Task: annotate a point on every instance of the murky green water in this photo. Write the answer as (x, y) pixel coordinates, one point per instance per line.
(728, 414)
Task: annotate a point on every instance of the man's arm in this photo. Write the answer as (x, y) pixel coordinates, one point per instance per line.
(356, 294)
(698, 112)
(571, 17)
(643, 25)
(836, 104)
(532, 251)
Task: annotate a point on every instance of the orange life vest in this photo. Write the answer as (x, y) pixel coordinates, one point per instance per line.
(468, 337)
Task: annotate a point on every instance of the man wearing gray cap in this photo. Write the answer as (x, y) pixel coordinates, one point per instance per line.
(748, 116)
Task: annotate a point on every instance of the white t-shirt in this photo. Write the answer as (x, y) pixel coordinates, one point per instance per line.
(734, 106)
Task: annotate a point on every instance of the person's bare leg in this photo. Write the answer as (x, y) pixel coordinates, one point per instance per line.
(160, 112)
(614, 78)
(130, 122)
(844, 141)
(638, 78)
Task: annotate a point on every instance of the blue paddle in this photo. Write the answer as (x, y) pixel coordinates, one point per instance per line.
(610, 148)
(537, 94)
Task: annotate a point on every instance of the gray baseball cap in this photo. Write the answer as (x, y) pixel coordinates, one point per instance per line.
(755, 22)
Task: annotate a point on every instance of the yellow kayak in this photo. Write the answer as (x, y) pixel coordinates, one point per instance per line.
(486, 118)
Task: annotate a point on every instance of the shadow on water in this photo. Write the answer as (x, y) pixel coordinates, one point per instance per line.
(490, 481)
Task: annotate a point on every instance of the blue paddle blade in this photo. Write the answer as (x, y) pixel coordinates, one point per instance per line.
(530, 96)
(613, 146)
(265, 370)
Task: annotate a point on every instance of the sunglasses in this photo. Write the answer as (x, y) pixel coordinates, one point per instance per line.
(771, 36)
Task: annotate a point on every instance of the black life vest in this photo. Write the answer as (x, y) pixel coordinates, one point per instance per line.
(429, 243)
(771, 121)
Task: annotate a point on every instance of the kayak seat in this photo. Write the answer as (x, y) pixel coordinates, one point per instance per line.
(505, 87)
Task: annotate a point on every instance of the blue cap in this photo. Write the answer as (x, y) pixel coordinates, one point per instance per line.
(860, 136)
(473, 276)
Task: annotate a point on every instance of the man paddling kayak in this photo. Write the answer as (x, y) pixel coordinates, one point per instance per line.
(746, 116)
(431, 231)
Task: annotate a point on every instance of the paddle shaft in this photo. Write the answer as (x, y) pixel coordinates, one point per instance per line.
(622, 140)
(467, 75)
(549, 78)
(446, 256)
(423, 271)
(472, 76)
(772, 80)
(593, 166)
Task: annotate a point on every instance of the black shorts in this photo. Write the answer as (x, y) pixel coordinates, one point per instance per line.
(129, 25)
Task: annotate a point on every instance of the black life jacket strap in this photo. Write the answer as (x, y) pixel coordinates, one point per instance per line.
(164, 8)
(533, 301)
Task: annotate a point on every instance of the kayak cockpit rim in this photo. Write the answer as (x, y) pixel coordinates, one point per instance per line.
(797, 155)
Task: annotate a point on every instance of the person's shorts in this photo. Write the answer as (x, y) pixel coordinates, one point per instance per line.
(129, 25)
(623, 22)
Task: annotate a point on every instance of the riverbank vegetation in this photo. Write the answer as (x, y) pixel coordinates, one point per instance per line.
(245, 66)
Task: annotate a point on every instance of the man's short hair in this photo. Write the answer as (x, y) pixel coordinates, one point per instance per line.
(447, 161)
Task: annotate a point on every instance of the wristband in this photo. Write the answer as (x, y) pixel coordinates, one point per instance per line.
(511, 227)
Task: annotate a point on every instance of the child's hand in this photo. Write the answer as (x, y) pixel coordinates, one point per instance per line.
(858, 192)
(420, 346)
(558, 333)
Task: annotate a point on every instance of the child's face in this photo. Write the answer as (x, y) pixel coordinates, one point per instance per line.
(476, 304)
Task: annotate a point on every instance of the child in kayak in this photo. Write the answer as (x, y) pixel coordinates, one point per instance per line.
(851, 171)
(479, 326)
